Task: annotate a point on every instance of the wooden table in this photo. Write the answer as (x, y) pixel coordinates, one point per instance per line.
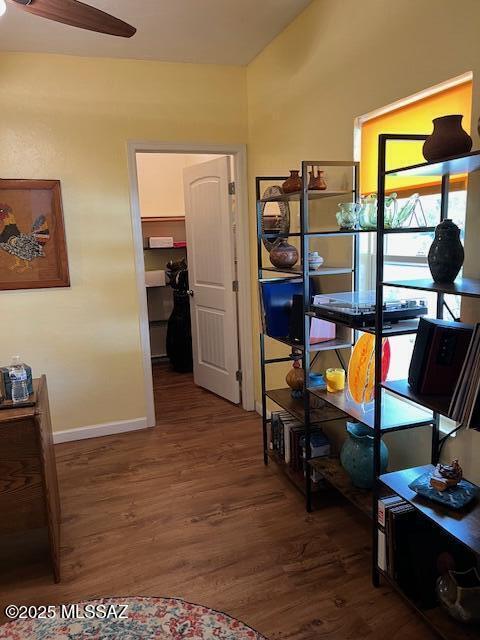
(29, 496)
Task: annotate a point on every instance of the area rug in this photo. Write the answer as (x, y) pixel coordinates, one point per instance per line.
(126, 619)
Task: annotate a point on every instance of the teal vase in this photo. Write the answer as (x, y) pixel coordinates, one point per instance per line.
(357, 455)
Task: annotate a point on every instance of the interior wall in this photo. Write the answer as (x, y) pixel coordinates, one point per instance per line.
(160, 182)
(70, 118)
(337, 61)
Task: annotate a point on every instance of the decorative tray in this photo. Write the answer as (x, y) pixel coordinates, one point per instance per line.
(455, 497)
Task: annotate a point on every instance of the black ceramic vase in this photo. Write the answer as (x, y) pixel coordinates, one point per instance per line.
(448, 139)
(446, 254)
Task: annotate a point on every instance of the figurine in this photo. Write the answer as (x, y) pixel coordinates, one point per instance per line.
(446, 476)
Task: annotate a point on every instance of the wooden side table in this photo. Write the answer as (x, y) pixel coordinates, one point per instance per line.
(29, 497)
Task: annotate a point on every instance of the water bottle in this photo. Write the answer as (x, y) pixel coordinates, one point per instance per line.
(18, 377)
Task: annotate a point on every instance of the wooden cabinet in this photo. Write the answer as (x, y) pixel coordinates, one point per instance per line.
(29, 497)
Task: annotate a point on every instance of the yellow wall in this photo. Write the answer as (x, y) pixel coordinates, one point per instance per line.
(70, 118)
(343, 58)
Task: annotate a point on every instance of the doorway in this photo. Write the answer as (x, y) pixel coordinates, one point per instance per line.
(165, 181)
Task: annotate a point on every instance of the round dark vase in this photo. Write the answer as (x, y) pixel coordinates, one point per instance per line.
(448, 139)
(283, 255)
(446, 254)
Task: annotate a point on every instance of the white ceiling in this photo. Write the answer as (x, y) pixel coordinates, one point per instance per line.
(201, 31)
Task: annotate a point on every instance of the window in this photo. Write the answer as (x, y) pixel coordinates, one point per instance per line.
(406, 254)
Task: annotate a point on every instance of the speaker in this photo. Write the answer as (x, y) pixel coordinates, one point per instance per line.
(296, 319)
(439, 353)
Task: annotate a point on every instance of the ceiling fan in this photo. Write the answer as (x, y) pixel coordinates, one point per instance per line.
(74, 13)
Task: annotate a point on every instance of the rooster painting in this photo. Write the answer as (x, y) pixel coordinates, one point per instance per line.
(24, 247)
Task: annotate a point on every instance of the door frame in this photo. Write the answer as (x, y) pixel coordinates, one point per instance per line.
(239, 153)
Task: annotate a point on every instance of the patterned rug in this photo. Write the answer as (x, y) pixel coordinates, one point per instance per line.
(125, 619)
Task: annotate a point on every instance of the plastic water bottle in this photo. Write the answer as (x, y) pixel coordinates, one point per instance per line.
(18, 377)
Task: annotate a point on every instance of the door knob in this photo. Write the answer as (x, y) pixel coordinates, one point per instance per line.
(190, 292)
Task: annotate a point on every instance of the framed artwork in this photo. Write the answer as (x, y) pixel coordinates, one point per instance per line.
(33, 250)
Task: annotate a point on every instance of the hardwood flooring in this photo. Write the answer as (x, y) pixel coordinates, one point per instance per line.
(189, 510)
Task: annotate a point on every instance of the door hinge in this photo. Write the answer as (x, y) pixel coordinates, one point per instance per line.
(235, 286)
(239, 376)
(231, 188)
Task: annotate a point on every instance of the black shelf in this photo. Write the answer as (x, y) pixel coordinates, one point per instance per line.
(312, 195)
(438, 404)
(462, 525)
(468, 287)
(410, 230)
(329, 345)
(297, 271)
(401, 328)
(397, 414)
(301, 409)
(337, 477)
(331, 233)
(325, 413)
(455, 165)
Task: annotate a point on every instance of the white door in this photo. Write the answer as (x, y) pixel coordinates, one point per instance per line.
(211, 269)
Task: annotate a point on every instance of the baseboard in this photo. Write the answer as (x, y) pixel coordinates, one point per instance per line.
(99, 430)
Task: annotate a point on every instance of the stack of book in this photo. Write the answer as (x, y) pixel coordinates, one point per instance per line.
(288, 442)
(465, 403)
(395, 516)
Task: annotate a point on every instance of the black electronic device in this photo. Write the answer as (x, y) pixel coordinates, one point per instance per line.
(296, 319)
(357, 309)
(439, 353)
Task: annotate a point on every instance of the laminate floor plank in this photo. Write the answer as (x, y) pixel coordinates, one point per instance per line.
(188, 509)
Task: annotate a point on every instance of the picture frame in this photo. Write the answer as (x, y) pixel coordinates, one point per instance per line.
(33, 248)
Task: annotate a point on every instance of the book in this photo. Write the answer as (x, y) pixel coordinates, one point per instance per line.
(384, 504)
(398, 517)
(382, 551)
(465, 402)
(319, 444)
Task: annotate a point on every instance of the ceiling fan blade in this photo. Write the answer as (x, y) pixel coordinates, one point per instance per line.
(77, 14)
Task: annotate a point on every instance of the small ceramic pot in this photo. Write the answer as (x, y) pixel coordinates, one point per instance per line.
(448, 139)
(292, 183)
(317, 182)
(315, 260)
(459, 594)
(283, 255)
(357, 455)
(446, 254)
(317, 380)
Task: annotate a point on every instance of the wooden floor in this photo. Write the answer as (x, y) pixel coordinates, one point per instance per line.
(189, 510)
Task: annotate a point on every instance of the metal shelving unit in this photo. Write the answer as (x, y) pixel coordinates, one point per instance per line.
(464, 530)
(302, 409)
(396, 406)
